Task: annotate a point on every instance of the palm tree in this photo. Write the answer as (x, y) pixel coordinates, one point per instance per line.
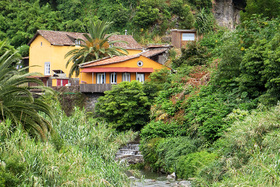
(16, 101)
(96, 46)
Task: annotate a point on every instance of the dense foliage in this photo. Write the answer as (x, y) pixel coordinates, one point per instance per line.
(266, 8)
(211, 122)
(82, 155)
(19, 20)
(214, 120)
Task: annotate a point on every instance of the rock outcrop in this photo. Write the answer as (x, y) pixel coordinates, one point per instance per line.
(227, 12)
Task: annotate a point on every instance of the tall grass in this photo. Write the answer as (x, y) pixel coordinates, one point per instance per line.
(249, 153)
(82, 155)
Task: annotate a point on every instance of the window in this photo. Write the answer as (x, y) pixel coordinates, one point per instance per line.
(100, 78)
(114, 78)
(47, 68)
(188, 37)
(140, 77)
(139, 63)
(126, 77)
(77, 42)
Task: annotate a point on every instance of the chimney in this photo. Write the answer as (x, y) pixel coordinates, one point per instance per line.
(125, 32)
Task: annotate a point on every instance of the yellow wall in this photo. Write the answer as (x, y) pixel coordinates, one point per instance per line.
(39, 54)
(54, 82)
(147, 63)
(42, 51)
(133, 51)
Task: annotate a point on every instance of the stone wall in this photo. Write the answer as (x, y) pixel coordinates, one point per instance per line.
(91, 100)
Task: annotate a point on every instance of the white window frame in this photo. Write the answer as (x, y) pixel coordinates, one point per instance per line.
(100, 78)
(188, 36)
(113, 78)
(47, 68)
(77, 42)
(126, 77)
(140, 77)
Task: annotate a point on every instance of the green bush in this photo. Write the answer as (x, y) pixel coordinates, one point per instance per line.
(156, 129)
(205, 113)
(169, 151)
(265, 8)
(188, 166)
(162, 154)
(146, 14)
(148, 150)
(199, 4)
(194, 54)
(125, 107)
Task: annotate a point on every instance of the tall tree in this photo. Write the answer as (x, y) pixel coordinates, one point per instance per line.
(96, 46)
(16, 101)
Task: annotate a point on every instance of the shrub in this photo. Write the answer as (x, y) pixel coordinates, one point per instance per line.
(188, 166)
(148, 150)
(156, 129)
(125, 107)
(169, 151)
(146, 14)
(205, 113)
(194, 54)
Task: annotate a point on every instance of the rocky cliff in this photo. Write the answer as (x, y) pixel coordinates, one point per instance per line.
(227, 12)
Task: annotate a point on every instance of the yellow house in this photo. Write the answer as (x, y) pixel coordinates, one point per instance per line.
(48, 48)
(100, 75)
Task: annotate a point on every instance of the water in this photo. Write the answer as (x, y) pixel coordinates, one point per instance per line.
(151, 179)
(131, 154)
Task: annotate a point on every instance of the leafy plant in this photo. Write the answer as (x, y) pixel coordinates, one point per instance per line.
(96, 46)
(146, 14)
(188, 166)
(194, 54)
(17, 102)
(247, 152)
(204, 22)
(125, 107)
(156, 129)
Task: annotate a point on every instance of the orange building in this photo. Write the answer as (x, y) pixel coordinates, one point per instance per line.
(100, 75)
(48, 49)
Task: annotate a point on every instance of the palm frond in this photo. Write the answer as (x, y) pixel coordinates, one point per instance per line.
(16, 100)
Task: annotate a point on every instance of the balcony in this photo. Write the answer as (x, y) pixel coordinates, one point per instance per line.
(95, 88)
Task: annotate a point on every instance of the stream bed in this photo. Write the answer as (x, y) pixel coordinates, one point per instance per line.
(131, 155)
(152, 179)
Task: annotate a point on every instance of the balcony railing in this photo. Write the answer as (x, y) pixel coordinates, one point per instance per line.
(98, 88)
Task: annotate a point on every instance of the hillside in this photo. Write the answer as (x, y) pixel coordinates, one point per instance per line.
(213, 120)
(147, 20)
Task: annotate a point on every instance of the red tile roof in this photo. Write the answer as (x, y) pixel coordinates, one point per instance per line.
(108, 60)
(68, 38)
(116, 69)
(154, 52)
(131, 42)
(117, 59)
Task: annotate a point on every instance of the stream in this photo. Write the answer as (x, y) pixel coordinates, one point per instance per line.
(130, 153)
